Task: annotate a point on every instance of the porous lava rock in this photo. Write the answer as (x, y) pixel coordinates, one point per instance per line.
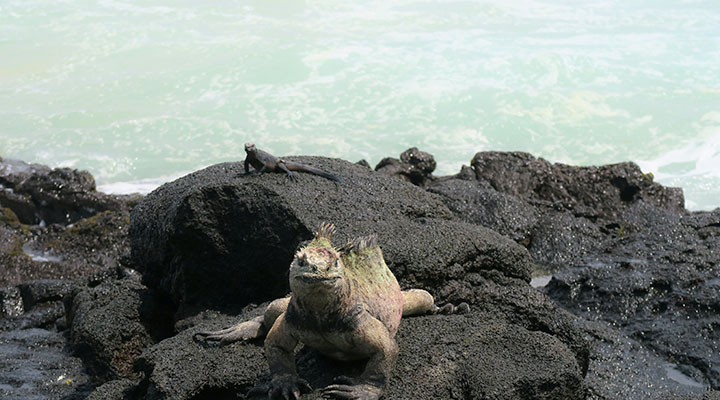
(215, 237)
(621, 248)
(594, 191)
(478, 355)
(414, 166)
(53, 195)
(112, 323)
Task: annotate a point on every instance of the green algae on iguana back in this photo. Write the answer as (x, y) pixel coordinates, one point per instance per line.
(372, 282)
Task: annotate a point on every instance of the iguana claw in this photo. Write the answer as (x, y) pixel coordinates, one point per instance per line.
(349, 388)
(284, 387)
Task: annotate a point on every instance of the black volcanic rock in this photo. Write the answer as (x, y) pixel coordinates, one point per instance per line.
(201, 239)
(61, 195)
(180, 367)
(622, 248)
(561, 213)
(559, 238)
(477, 355)
(112, 323)
(660, 285)
(214, 237)
(119, 389)
(638, 272)
(592, 192)
(414, 166)
(476, 202)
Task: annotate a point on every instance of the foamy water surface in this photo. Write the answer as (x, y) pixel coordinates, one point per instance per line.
(142, 92)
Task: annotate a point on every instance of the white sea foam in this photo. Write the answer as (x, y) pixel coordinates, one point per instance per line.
(694, 166)
(141, 186)
(695, 157)
(115, 87)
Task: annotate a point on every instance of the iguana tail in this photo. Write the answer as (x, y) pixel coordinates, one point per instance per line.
(306, 168)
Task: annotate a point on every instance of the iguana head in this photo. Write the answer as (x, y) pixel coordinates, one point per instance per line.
(317, 266)
(249, 147)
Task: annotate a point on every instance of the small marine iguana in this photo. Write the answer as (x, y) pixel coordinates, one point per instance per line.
(265, 162)
(346, 304)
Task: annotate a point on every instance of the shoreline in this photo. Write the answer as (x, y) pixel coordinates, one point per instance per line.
(147, 185)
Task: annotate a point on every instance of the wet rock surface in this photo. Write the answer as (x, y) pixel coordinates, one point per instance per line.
(630, 310)
(56, 233)
(660, 287)
(621, 250)
(63, 252)
(623, 368)
(35, 365)
(60, 195)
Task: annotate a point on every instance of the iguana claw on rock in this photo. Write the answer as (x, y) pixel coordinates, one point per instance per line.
(346, 304)
(265, 162)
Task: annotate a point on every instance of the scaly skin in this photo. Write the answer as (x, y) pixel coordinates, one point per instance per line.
(345, 303)
(263, 162)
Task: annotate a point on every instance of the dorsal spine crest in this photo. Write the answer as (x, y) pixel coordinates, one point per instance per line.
(359, 244)
(323, 236)
(325, 231)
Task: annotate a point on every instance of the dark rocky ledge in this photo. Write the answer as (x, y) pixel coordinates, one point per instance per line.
(100, 302)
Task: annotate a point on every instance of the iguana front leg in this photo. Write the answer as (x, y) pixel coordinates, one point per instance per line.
(280, 352)
(258, 171)
(246, 330)
(372, 337)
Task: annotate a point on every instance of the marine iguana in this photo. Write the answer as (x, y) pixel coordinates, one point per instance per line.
(345, 303)
(265, 162)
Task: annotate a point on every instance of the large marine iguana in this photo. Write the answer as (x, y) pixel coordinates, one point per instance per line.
(265, 162)
(345, 303)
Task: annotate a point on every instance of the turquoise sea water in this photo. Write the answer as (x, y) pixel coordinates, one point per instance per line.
(141, 92)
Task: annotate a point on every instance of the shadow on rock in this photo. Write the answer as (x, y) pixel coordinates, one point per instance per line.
(113, 323)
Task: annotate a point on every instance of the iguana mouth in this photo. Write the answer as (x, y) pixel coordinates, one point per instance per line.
(311, 278)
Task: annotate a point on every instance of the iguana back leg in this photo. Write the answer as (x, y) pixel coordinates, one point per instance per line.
(246, 330)
(290, 174)
(420, 302)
